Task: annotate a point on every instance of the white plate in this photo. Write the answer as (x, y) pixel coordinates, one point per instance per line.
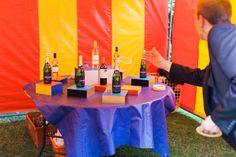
(198, 130)
(159, 87)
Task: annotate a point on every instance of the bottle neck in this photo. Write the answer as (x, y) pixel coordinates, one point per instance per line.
(103, 61)
(116, 66)
(80, 61)
(144, 51)
(47, 60)
(95, 46)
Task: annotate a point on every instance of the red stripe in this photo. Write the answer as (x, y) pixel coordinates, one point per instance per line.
(156, 27)
(19, 48)
(185, 45)
(95, 23)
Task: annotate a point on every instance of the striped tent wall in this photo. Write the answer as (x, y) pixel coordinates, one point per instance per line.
(31, 29)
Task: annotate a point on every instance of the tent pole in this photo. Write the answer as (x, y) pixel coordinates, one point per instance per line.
(171, 14)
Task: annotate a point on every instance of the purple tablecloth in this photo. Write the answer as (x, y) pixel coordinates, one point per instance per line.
(92, 129)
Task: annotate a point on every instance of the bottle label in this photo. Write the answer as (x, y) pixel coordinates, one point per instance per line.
(95, 62)
(47, 77)
(95, 57)
(55, 69)
(103, 73)
(116, 86)
(81, 80)
(143, 72)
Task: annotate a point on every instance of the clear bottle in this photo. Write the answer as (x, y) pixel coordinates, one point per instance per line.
(143, 67)
(47, 72)
(103, 72)
(116, 80)
(95, 55)
(79, 74)
(116, 56)
(55, 67)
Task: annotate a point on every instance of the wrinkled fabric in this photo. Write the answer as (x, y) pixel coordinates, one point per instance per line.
(92, 129)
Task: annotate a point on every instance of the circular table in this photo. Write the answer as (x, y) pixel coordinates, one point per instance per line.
(92, 129)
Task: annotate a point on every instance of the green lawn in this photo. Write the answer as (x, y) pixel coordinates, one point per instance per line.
(184, 142)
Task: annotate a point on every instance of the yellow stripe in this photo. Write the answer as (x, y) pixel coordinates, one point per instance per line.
(128, 32)
(233, 2)
(203, 61)
(58, 33)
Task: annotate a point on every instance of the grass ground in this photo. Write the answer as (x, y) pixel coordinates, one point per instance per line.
(183, 141)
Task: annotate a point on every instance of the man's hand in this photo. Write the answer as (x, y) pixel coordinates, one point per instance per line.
(209, 127)
(157, 60)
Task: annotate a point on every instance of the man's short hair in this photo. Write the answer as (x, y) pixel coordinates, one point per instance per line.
(215, 11)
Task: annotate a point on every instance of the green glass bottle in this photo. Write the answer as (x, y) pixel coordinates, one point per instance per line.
(143, 67)
(116, 80)
(47, 72)
(80, 75)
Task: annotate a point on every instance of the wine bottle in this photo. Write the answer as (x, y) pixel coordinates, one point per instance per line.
(55, 67)
(116, 80)
(103, 72)
(143, 67)
(116, 58)
(47, 72)
(95, 55)
(80, 75)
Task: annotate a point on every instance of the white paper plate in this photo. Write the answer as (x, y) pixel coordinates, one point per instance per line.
(198, 130)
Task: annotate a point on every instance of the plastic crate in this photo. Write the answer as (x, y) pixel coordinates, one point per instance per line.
(57, 149)
(35, 132)
(177, 90)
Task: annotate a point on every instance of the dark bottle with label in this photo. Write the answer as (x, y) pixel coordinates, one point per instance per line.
(103, 72)
(47, 72)
(117, 59)
(80, 75)
(143, 67)
(116, 80)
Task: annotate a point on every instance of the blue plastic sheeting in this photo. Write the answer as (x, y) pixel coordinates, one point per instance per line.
(92, 129)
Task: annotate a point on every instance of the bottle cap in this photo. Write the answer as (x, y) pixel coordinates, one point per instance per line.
(116, 49)
(54, 55)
